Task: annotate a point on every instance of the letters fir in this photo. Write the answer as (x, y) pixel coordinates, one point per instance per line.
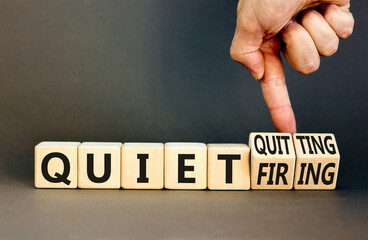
(272, 160)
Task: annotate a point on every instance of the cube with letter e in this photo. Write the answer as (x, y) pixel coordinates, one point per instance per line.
(317, 161)
(185, 165)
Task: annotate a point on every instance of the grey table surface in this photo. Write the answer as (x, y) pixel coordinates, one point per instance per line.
(160, 71)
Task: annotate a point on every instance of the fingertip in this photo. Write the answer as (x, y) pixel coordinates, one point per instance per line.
(340, 19)
(284, 120)
(256, 75)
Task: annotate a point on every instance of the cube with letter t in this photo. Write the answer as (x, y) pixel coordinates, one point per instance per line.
(228, 167)
(185, 165)
(272, 160)
(317, 161)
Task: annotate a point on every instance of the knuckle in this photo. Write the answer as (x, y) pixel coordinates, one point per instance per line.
(293, 32)
(293, 35)
(332, 8)
(309, 16)
(332, 14)
(234, 54)
(243, 23)
(274, 81)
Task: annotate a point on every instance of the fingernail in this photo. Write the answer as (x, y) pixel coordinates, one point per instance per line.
(254, 75)
(288, 23)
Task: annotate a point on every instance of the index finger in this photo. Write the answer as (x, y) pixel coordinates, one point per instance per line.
(275, 91)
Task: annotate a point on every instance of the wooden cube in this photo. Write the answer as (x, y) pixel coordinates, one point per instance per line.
(185, 166)
(99, 165)
(272, 160)
(317, 161)
(142, 166)
(56, 164)
(228, 167)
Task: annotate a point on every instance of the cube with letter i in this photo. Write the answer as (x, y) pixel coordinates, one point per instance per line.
(317, 161)
(142, 166)
(272, 160)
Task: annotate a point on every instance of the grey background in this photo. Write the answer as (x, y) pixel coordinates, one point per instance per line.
(160, 71)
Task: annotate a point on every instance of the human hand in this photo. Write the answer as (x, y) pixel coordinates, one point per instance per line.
(261, 28)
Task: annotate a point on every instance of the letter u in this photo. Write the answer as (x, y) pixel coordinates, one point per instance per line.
(107, 172)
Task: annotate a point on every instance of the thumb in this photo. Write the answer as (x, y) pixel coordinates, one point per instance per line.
(245, 47)
(253, 61)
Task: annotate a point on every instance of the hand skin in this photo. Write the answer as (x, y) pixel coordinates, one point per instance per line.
(262, 26)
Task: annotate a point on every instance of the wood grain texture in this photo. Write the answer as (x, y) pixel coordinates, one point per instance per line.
(272, 160)
(56, 166)
(317, 161)
(185, 166)
(228, 166)
(100, 152)
(142, 166)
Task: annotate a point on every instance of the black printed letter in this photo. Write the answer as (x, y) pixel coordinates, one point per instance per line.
(58, 177)
(182, 168)
(261, 173)
(90, 172)
(142, 168)
(229, 164)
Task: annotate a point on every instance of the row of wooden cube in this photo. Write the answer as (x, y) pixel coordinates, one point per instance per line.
(272, 161)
